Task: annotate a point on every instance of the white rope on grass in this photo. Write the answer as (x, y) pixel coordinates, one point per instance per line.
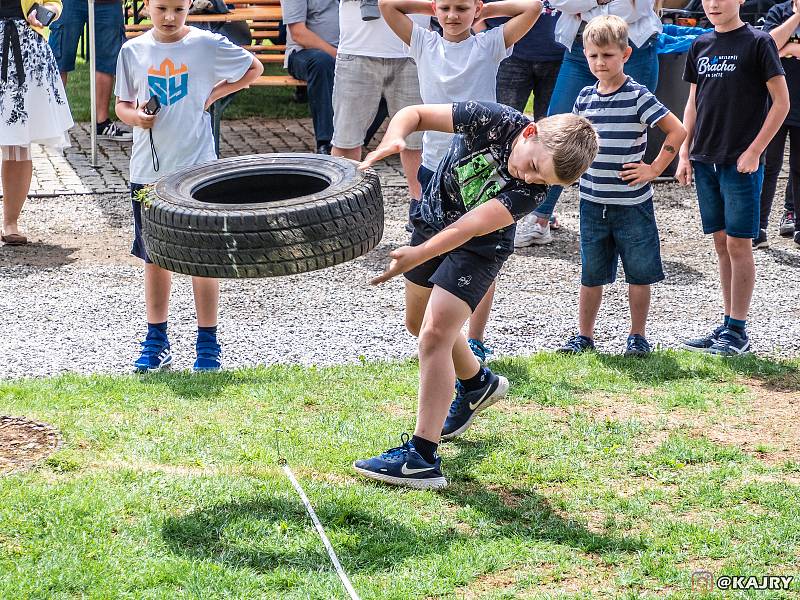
(310, 509)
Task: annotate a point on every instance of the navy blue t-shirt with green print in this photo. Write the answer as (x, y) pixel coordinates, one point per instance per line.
(475, 168)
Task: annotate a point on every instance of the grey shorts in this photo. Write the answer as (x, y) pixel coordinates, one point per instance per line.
(359, 84)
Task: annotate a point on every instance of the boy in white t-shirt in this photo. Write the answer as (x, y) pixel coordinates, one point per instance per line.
(371, 63)
(454, 67)
(188, 70)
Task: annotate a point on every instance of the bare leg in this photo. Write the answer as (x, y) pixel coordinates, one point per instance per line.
(105, 85)
(411, 160)
(464, 361)
(478, 320)
(206, 300)
(588, 307)
(157, 284)
(16, 184)
(64, 77)
(351, 153)
(416, 302)
(743, 276)
(441, 329)
(724, 260)
(639, 301)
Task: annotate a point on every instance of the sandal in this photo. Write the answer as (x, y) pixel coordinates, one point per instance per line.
(14, 239)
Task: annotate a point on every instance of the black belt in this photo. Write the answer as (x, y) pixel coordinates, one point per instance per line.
(11, 45)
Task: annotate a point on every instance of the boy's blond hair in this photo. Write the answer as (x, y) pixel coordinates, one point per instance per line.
(606, 30)
(572, 141)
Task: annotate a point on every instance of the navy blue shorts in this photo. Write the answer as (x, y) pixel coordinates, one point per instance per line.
(137, 249)
(466, 272)
(610, 232)
(729, 200)
(110, 33)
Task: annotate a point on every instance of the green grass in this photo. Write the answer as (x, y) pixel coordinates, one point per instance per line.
(167, 486)
(267, 102)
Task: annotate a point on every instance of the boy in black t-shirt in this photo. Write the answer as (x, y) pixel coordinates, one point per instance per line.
(495, 172)
(733, 71)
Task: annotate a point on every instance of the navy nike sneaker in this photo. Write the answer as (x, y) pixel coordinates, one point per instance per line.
(403, 466)
(468, 404)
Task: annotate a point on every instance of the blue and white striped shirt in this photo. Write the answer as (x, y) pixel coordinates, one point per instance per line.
(621, 120)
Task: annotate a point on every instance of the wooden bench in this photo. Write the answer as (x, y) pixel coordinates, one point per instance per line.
(263, 17)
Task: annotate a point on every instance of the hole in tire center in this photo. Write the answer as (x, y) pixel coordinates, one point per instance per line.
(260, 187)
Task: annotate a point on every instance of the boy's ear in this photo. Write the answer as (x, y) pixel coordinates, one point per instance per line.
(433, 6)
(530, 130)
(627, 53)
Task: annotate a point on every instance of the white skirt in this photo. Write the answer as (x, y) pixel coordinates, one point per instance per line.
(34, 110)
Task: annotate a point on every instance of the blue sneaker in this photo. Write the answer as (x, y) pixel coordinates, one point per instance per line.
(480, 350)
(209, 354)
(403, 466)
(703, 344)
(467, 405)
(637, 345)
(576, 345)
(155, 354)
(730, 343)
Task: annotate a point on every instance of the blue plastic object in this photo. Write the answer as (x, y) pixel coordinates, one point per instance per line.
(676, 39)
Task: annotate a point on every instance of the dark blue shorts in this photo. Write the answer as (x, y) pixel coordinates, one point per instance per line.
(109, 31)
(729, 200)
(610, 232)
(466, 272)
(424, 176)
(137, 249)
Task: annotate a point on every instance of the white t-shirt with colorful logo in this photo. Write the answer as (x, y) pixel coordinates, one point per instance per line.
(182, 74)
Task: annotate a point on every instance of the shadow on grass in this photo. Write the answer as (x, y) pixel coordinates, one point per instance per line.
(186, 384)
(513, 512)
(266, 533)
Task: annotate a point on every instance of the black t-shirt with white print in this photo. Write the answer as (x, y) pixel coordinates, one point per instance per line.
(731, 70)
(475, 168)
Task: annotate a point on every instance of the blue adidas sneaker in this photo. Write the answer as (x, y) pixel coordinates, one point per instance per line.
(730, 343)
(403, 466)
(704, 343)
(467, 405)
(155, 355)
(209, 353)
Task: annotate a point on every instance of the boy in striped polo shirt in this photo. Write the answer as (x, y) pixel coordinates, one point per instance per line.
(616, 209)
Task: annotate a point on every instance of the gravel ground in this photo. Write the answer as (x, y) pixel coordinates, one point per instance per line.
(73, 300)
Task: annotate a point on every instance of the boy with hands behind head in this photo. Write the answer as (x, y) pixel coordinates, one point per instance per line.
(495, 171)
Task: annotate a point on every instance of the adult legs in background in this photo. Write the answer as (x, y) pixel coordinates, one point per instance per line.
(17, 170)
(316, 68)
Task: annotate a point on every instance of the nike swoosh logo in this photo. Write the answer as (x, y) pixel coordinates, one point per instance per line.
(406, 471)
(473, 406)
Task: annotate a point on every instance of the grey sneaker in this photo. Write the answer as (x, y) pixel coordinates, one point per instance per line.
(786, 228)
(730, 343)
(109, 130)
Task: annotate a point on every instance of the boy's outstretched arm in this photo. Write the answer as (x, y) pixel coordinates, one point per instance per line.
(394, 13)
(749, 160)
(419, 117)
(225, 88)
(785, 30)
(641, 172)
(684, 172)
(488, 217)
(523, 13)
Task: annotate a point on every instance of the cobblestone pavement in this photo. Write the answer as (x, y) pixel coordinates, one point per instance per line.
(72, 173)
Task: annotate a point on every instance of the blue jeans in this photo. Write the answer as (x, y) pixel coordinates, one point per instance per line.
(517, 78)
(610, 232)
(316, 67)
(575, 75)
(728, 200)
(66, 31)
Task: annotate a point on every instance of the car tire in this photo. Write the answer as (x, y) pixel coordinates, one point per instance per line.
(263, 215)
